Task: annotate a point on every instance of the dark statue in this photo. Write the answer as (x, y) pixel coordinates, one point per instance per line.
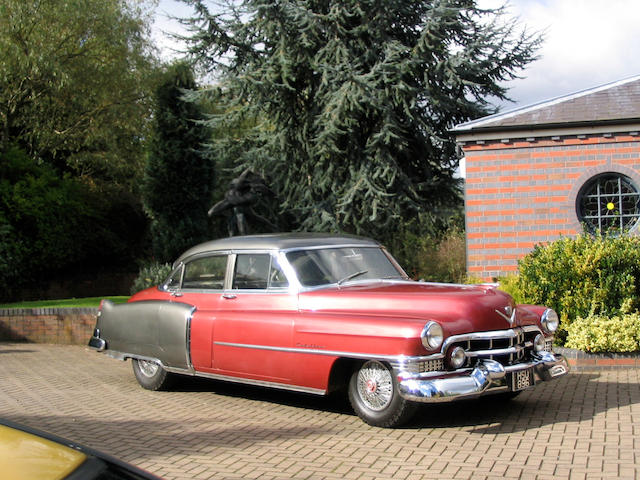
(244, 192)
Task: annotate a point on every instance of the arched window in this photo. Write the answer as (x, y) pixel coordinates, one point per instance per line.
(609, 203)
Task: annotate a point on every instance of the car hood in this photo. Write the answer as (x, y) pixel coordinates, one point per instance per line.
(458, 308)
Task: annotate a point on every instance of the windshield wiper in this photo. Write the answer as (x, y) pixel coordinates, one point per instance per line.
(352, 276)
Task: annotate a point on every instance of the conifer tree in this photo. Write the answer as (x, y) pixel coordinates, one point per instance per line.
(356, 99)
(178, 177)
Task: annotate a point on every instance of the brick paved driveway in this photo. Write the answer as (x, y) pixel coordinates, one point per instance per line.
(586, 425)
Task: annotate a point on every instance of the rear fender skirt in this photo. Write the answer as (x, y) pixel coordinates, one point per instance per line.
(156, 330)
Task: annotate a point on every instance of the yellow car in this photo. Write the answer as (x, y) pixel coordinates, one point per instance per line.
(29, 454)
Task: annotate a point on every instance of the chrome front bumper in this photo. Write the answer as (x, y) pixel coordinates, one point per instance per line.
(487, 377)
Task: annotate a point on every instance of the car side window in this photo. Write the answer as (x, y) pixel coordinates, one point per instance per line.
(173, 282)
(205, 273)
(257, 271)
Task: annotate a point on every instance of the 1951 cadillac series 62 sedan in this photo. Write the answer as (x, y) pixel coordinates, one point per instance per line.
(321, 313)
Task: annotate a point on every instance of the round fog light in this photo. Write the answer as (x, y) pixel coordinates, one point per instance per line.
(539, 343)
(457, 357)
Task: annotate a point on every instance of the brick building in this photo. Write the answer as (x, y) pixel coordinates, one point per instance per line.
(552, 169)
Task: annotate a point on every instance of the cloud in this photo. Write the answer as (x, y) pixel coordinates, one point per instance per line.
(587, 43)
(165, 25)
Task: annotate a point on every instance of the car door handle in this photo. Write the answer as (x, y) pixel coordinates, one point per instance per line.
(228, 296)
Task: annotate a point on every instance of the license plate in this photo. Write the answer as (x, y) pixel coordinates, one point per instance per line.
(521, 380)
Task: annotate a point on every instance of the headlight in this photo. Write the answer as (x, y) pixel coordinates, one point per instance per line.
(550, 320)
(457, 357)
(539, 343)
(432, 336)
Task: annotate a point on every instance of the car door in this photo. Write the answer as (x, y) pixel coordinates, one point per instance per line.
(254, 326)
(202, 285)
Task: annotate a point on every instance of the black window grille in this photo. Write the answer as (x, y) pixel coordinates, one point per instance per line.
(609, 203)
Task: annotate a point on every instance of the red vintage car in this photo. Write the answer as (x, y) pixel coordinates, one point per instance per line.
(319, 313)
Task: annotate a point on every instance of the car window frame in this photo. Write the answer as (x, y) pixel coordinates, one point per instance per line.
(182, 267)
(200, 257)
(274, 257)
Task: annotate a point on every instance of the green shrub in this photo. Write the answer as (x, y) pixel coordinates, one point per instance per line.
(151, 275)
(511, 285)
(582, 277)
(436, 257)
(598, 333)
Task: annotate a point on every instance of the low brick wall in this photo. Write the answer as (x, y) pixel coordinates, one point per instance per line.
(72, 326)
(579, 360)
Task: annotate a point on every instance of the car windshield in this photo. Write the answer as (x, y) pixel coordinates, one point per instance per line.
(327, 266)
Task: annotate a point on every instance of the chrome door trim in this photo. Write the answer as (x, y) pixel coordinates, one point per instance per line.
(332, 353)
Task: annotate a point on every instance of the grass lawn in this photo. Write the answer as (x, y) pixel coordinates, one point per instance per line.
(69, 302)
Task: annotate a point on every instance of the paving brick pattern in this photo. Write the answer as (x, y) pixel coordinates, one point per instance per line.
(584, 426)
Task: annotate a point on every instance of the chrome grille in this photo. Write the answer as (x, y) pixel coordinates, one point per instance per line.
(422, 366)
(430, 366)
(513, 346)
(548, 346)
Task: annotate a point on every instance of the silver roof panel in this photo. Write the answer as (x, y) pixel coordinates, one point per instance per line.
(277, 241)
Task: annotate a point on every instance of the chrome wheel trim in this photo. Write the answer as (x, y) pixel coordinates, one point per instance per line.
(147, 368)
(375, 386)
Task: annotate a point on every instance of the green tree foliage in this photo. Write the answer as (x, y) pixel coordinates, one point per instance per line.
(583, 277)
(356, 98)
(150, 275)
(178, 177)
(436, 257)
(74, 83)
(50, 223)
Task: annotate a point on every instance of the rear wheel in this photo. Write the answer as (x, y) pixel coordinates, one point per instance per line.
(373, 393)
(151, 375)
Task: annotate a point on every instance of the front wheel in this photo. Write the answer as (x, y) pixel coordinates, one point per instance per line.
(151, 375)
(373, 393)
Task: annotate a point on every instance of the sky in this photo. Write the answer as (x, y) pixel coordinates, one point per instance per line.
(587, 43)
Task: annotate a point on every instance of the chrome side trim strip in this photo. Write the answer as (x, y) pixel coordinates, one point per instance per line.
(188, 337)
(332, 353)
(398, 359)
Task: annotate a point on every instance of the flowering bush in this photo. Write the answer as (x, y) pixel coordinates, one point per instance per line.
(599, 333)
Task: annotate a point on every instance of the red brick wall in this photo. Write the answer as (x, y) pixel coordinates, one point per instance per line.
(522, 193)
(48, 325)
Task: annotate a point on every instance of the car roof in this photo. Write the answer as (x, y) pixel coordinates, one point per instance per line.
(278, 241)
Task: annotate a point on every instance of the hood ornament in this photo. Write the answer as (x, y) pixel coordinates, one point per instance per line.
(509, 314)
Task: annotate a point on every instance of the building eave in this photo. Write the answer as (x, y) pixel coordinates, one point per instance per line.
(631, 127)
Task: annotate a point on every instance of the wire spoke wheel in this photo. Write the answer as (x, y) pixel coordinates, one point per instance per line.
(375, 386)
(151, 375)
(148, 369)
(375, 398)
